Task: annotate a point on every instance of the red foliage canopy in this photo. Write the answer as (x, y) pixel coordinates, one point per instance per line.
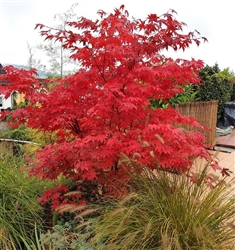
(104, 108)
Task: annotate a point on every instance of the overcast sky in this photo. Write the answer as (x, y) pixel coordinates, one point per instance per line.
(213, 19)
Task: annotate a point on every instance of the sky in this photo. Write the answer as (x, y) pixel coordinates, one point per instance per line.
(213, 19)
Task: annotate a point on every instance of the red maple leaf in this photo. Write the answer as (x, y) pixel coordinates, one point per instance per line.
(226, 172)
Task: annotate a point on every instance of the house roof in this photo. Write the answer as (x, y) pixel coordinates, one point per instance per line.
(41, 74)
(1, 70)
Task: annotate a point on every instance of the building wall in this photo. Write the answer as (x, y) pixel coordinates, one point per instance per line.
(19, 98)
(5, 103)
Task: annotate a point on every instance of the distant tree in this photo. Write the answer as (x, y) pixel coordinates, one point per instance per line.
(32, 62)
(60, 63)
(216, 84)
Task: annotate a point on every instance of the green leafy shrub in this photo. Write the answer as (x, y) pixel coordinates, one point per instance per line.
(20, 133)
(232, 82)
(167, 211)
(189, 94)
(216, 85)
(64, 237)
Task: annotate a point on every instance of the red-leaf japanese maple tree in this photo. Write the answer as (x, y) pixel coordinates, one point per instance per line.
(104, 109)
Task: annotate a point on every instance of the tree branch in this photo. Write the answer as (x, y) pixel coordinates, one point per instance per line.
(100, 71)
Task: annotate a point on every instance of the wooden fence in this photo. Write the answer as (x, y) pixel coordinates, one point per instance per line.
(203, 112)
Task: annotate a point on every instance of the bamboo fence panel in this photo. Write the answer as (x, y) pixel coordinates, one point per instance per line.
(203, 112)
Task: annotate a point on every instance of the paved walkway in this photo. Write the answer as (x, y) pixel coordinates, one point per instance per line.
(226, 140)
(225, 160)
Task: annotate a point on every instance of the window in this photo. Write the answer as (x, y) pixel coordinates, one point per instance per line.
(15, 94)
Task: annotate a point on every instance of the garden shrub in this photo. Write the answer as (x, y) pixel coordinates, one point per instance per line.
(189, 94)
(215, 85)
